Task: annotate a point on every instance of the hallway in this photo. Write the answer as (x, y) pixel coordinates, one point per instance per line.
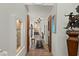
(38, 29)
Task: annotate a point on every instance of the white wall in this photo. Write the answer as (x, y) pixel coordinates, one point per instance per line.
(46, 32)
(9, 14)
(59, 44)
(4, 36)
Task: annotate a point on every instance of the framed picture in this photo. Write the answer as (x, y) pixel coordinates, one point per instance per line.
(54, 24)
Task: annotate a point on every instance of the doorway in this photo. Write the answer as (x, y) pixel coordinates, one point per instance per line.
(38, 43)
(38, 38)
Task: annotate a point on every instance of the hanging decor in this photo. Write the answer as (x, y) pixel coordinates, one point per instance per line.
(53, 24)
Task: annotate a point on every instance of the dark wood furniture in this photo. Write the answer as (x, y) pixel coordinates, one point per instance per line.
(39, 44)
(72, 43)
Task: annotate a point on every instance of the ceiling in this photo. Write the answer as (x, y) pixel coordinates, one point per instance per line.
(39, 9)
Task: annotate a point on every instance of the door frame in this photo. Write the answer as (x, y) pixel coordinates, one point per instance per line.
(27, 32)
(50, 33)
